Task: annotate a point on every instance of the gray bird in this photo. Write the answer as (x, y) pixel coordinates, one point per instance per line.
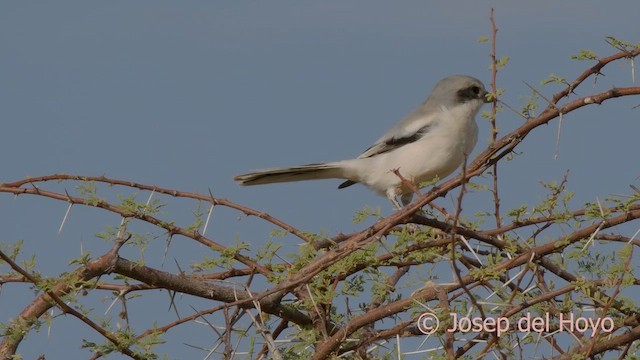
(429, 143)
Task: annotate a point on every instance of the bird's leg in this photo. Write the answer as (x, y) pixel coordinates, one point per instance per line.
(408, 184)
(392, 193)
(406, 199)
(404, 183)
(395, 202)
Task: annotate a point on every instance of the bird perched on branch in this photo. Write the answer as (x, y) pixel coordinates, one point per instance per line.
(430, 143)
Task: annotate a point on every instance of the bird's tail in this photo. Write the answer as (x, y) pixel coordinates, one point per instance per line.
(294, 173)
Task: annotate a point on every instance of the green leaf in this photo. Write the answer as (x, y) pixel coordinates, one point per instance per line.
(502, 62)
(553, 78)
(585, 55)
(620, 44)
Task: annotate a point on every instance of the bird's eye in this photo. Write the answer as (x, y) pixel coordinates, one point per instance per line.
(475, 89)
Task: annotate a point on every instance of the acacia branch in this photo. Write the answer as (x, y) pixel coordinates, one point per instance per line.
(37, 308)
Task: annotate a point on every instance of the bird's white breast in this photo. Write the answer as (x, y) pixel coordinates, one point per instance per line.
(437, 154)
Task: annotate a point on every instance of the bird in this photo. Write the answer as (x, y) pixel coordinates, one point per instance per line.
(428, 144)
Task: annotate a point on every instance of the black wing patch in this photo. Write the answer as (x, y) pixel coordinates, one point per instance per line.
(396, 142)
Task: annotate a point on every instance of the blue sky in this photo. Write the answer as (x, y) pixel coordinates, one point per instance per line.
(188, 94)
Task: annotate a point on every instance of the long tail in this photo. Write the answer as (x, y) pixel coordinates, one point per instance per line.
(294, 173)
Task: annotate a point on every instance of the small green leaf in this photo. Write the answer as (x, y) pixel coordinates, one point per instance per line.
(585, 55)
(502, 62)
(553, 78)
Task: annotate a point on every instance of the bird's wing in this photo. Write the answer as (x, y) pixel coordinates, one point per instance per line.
(409, 130)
